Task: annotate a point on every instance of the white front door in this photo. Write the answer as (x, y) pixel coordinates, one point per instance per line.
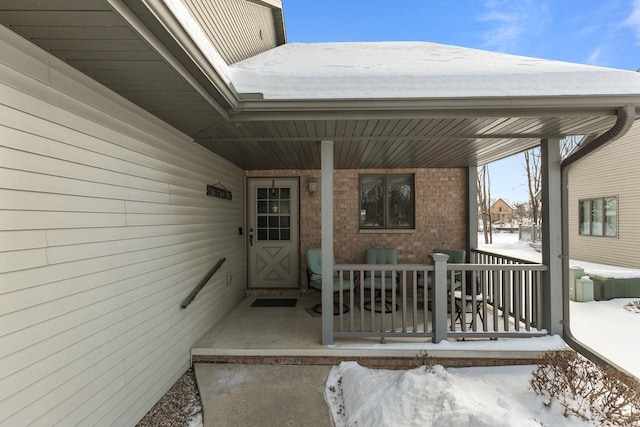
(273, 232)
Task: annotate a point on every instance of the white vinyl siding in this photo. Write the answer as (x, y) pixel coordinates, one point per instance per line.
(609, 172)
(104, 229)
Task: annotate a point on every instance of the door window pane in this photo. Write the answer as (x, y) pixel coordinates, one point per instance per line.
(274, 219)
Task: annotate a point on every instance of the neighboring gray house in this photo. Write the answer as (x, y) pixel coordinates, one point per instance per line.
(604, 204)
(115, 115)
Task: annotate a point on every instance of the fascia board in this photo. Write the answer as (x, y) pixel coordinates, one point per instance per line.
(578, 106)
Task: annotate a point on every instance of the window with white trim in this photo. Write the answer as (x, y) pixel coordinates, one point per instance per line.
(599, 216)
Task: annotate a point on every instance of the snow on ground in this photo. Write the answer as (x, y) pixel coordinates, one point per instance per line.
(474, 397)
(604, 326)
(508, 244)
(482, 397)
(610, 329)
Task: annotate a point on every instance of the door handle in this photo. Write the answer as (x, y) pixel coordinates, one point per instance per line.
(250, 239)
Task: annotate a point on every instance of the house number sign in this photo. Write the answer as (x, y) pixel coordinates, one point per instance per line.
(220, 193)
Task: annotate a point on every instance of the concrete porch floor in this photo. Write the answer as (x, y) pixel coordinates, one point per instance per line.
(292, 336)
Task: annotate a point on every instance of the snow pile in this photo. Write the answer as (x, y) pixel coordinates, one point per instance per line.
(475, 397)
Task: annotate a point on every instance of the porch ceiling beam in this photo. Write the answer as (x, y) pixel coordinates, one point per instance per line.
(364, 114)
(385, 138)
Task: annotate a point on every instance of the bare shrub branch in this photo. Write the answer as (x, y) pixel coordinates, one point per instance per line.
(586, 390)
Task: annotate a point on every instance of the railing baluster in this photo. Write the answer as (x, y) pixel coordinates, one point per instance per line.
(404, 301)
(351, 300)
(496, 306)
(426, 298)
(507, 298)
(414, 289)
(394, 285)
(372, 293)
(361, 291)
(340, 302)
(474, 305)
(383, 306)
(517, 296)
(527, 300)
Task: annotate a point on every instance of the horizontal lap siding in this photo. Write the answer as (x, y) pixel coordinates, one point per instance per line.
(104, 229)
(610, 171)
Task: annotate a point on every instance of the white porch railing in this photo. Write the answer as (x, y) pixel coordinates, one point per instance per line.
(506, 301)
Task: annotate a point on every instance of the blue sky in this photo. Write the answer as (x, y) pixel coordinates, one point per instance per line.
(604, 33)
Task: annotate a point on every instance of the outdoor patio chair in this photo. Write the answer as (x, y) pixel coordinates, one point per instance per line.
(456, 256)
(314, 274)
(380, 256)
(467, 305)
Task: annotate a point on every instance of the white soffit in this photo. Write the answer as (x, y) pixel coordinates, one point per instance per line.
(386, 70)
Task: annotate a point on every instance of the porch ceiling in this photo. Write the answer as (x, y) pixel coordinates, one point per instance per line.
(389, 142)
(123, 45)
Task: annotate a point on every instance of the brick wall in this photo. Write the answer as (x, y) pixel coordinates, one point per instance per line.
(440, 215)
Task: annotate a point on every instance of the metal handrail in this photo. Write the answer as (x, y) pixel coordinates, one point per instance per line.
(188, 300)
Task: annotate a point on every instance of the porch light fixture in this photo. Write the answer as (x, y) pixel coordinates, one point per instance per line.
(313, 186)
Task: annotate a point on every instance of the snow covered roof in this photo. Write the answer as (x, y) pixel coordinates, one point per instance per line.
(417, 70)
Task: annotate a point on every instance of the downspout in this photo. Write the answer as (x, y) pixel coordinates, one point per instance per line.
(626, 115)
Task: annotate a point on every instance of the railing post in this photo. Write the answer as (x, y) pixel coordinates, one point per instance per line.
(439, 309)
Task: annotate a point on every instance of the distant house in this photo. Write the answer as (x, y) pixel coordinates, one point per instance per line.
(604, 204)
(501, 212)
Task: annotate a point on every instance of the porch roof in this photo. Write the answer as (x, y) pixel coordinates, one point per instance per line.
(433, 105)
(391, 70)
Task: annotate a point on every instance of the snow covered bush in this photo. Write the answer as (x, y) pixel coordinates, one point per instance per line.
(633, 306)
(583, 389)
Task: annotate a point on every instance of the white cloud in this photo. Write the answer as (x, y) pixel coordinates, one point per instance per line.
(633, 20)
(594, 57)
(511, 22)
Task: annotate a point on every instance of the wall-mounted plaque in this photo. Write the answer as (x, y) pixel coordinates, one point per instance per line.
(220, 193)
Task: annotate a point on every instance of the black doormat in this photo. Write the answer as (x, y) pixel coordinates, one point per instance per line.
(275, 302)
